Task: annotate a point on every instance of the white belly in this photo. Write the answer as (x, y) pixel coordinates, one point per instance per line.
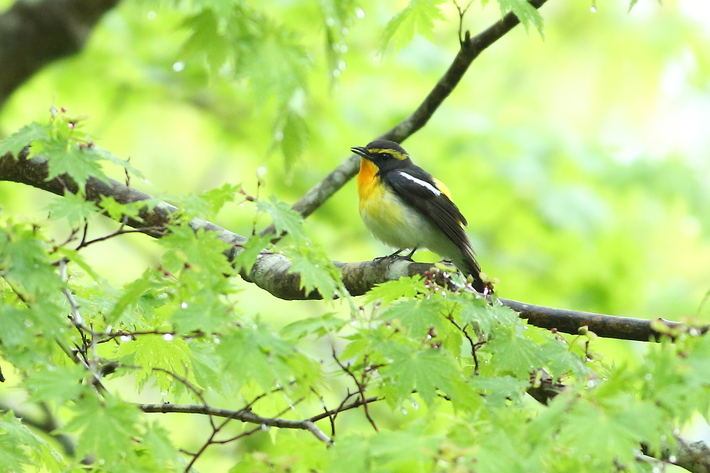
(396, 228)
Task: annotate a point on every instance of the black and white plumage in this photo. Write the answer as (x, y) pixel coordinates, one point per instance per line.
(405, 207)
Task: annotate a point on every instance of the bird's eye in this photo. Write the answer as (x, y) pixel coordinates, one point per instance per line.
(386, 155)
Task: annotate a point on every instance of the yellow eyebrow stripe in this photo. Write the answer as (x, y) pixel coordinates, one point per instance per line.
(395, 154)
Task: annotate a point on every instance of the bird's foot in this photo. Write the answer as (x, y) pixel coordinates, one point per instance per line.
(396, 255)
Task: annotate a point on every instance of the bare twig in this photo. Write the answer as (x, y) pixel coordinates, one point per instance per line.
(345, 407)
(243, 416)
(361, 385)
(474, 345)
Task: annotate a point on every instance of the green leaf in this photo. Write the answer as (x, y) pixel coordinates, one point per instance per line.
(500, 390)
(514, 354)
(202, 250)
(263, 357)
(419, 316)
(405, 287)
(277, 66)
(14, 332)
(351, 454)
(80, 163)
(24, 258)
(107, 428)
(117, 211)
(112, 158)
(480, 315)
(79, 260)
(293, 136)
(20, 448)
(250, 252)
(320, 326)
(74, 207)
(561, 361)
(216, 198)
(159, 447)
(59, 384)
(156, 354)
(591, 428)
(425, 370)
(316, 271)
(191, 206)
(132, 291)
(526, 13)
(206, 40)
(417, 17)
(285, 219)
(24, 137)
(200, 309)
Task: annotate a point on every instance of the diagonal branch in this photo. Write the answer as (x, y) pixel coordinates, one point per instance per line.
(271, 271)
(471, 48)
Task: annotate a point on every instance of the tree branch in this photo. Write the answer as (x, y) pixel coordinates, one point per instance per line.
(243, 415)
(608, 326)
(271, 271)
(35, 33)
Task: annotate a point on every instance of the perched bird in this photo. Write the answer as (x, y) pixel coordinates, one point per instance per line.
(405, 207)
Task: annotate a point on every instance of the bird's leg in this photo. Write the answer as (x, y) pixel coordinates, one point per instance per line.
(396, 255)
(409, 256)
(393, 255)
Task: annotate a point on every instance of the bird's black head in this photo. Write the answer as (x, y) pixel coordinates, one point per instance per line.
(383, 153)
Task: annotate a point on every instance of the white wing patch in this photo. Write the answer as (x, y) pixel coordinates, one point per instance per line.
(424, 184)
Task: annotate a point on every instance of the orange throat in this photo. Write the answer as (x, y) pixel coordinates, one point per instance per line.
(366, 179)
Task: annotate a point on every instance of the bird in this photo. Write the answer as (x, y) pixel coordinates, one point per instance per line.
(403, 206)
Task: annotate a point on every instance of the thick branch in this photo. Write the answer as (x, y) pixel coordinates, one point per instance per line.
(271, 271)
(34, 33)
(471, 48)
(570, 321)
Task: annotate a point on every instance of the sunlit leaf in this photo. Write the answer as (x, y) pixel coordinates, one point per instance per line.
(417, 17)
(23, 137)
(73, 207)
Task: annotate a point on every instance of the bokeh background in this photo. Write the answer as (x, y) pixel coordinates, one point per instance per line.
(580, 159)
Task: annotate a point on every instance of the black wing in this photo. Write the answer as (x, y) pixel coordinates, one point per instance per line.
(417, 188)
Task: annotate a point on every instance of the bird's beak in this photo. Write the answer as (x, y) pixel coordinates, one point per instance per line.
(360, 151)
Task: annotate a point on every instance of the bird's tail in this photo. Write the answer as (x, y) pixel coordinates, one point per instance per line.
(469, 266)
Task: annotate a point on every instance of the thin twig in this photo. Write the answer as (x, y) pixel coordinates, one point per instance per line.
(345, 407)
(243, 416)
(360, 384)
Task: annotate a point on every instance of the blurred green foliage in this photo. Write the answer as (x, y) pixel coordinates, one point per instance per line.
(579, 161)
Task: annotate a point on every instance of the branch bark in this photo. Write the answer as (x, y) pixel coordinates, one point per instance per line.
(243, 415)
(271, 271)
(35, 33)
